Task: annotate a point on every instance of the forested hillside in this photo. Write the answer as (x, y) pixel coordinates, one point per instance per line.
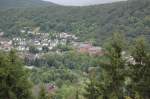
(23, 3)
(38, 63)
(94, 23)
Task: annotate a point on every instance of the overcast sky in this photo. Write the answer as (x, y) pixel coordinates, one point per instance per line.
(82, 2)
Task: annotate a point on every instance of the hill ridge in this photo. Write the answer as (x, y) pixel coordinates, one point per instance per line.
(23, 3)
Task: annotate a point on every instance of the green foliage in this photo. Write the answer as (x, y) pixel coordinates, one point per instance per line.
(119, 77)
(63, 48)
(33, 49)
(68, 59)
(77, 94)
(141, 68)
(14, 82)
(92, 90)
(45, 49)
(23, 3)
(43, 94)
(112, 78)
(59, 76)
(66, 92)
(92, 85)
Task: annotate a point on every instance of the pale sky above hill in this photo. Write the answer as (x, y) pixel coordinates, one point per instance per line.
(82, 2)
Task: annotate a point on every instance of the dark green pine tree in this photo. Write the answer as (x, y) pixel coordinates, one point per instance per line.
(141, 68)
(92, 89)
(14, 82)
(77, 94)
(113, 75)
(43, 93)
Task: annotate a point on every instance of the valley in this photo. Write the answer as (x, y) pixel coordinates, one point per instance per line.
(51, 51)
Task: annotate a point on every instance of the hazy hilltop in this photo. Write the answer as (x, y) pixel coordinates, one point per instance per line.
(23, 3)
(82, 2)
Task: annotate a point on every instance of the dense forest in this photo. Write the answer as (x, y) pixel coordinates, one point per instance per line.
(94, 23)
(7, 4)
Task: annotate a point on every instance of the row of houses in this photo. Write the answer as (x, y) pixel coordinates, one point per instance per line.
(39, 41)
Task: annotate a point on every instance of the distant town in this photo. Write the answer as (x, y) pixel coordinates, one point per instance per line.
(45, 42)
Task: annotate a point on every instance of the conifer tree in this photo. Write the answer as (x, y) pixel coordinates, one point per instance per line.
(14, 82)
(77, 94)
(141, 68)
(112, 83)
(92, 90)
(43, 94)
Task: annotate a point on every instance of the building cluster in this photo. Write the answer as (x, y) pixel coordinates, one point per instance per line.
(5, 44)
(47, 41)
(88, 48)
(38, 40)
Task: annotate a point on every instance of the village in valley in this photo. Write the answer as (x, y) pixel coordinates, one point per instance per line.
(35, 44)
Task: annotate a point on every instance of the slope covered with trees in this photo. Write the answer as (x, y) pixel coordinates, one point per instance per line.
(23, 3)
(94, 23)
(123, 72)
